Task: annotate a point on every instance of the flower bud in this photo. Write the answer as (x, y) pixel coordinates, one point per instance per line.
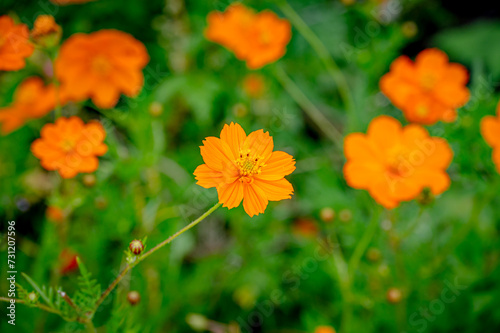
(327, 214)
(155, 109)
(89, 180)
(46, 32)
(394, 295)
(373, 254)
(136, 247)
(197, 322)
(133, 297)
(32, 297)
(345, 215)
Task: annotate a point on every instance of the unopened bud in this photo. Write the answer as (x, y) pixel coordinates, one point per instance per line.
(394, 295)
(345, 215)
(46, 32)
(133, 297)
(155, 109)
(89, 180)
(197, 322)
(136, 247)
(327, 214)
(32, 297)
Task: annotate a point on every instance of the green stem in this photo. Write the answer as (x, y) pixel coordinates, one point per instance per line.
(309, 108)
(323, 53)
(413, 225)
(89, 326)
(39, 306)
(363, 244)
(344, 283)
(153, 250)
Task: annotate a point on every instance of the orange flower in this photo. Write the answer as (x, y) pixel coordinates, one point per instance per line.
(69, 146)
(55, 214)
(14, 44)
(245, 168)
(324, 329)
(427, 90)
(254, 85)
(396, 163)
(32, 99)
(45, 31)
(67, 261)
(101, 65)
(490, 129)
(305, 227)
(259, 39)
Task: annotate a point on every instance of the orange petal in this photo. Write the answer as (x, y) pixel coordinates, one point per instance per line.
(234, 136)
(357, 146)
(490, 129)
(384, 131)
(207, 177)
(259, 144)
(230, 195)
(275, 190)
(216, 154)
(360, 174)
(277, 166)
(255, 200)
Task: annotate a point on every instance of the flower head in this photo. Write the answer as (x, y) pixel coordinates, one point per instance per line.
(245, 168)
(490, 129)
(257, 38)
(14, 44)
(396, 163)
(324, 329)
(32, 99)
(254, 85)
(70, 146)
(101, 66)
(45, 31)
(67, 261)
(427, 90)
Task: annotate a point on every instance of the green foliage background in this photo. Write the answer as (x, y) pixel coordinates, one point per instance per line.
(231, 266)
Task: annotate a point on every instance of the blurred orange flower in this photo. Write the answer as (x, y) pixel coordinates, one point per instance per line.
(427, 90)
(324, 329)
(100, 66)
(14, 44)
(254, 85)
(45, 31)
(32, 99)
(245, 168)
(305, 227)
(257, 38)
(396, 163)
(67, 261)
(70, 146)
(55, 214)
(490, 129)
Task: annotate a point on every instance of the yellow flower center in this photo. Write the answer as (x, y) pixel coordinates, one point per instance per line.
(67, 145)
(101, 65)
(422, 110)
(428, 81)
(249, 164)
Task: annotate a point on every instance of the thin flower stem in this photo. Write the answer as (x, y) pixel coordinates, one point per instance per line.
(363, 244)
(40, 306)
(89, 326)
(153, 250)
(413, 225)
(344, 283)
(309, 108)
(322, 52)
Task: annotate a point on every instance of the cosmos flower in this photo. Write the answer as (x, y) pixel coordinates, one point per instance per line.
(245, 168)
(15, 46)
(254, 85)
(427, 90)
(395, 163)
(45, 31)
(256, 38)
(490, 129)
(70, 146)
(32, 99)
(101, 66)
